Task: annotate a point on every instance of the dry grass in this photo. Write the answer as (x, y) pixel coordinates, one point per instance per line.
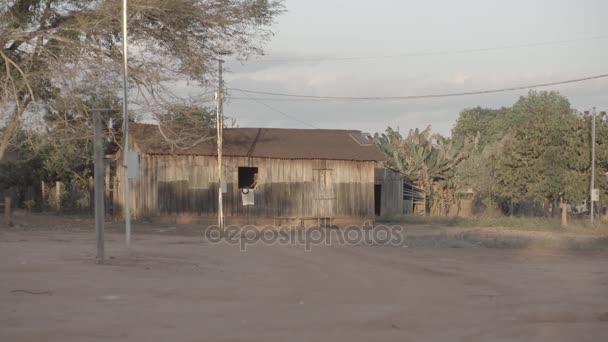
(503, 232)
(530, 224)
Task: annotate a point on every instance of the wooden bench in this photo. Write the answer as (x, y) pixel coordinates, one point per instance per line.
(323, 222)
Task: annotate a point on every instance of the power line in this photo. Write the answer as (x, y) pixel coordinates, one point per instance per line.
(280, 112)
(415, 97)
(280, 99)
(433, 53)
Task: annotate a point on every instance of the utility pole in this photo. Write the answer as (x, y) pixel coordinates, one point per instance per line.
(99, 188)
(125, 118)
(219, 99)
(592, 163)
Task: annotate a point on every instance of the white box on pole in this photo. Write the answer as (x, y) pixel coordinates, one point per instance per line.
(134, 159)
(595, 195)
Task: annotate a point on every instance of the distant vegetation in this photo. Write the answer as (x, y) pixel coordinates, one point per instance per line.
(532, 155)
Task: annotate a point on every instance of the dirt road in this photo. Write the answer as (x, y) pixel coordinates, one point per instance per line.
(177, 288)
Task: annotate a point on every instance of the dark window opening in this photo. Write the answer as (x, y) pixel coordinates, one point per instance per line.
(377, 199)
(248, 177)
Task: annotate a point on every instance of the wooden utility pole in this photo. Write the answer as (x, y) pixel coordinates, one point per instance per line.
(219, 99)
(592, 164)
(43, 191)
(58, 195)
(99, 188)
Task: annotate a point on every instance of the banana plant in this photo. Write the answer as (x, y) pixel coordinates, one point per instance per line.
(427, 159)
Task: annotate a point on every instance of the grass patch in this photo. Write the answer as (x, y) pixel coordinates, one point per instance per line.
(537, 224)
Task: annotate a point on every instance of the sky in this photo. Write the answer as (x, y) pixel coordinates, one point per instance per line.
(408, 36)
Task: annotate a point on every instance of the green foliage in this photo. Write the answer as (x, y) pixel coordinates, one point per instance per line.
(544, 155)
(18, 174)
(478, 172)
(490, 124)
(66, 147)
(26, 170)
(550, 154)
(537, 150)
(428, 159)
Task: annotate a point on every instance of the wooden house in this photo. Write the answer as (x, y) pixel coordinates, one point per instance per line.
(269, 173)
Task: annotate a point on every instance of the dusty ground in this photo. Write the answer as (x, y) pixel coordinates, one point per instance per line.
(178, 287)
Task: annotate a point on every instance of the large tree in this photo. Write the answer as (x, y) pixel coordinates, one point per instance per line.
(549, 156)
(48, 47)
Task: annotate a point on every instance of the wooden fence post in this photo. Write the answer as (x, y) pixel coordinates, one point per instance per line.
(57, 195)
(107, 186)
(91, 189)
(43, 193)
(116, 193)
(7, 211)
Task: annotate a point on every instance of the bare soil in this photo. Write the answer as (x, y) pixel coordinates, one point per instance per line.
(174, 286)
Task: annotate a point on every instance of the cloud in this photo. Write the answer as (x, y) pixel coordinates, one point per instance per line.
(458, 78)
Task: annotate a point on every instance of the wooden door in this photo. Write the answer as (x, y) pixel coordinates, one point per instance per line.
(324, 197)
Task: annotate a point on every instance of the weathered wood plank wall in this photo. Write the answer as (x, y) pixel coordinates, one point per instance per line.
(392, 192)
(187, 185)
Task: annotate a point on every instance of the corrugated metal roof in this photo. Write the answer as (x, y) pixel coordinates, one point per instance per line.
(278, 143)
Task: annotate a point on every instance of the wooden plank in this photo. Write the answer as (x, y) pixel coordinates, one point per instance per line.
(8, 215)
(286, 187)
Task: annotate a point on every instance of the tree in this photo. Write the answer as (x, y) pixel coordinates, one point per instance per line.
(66, 144)
(548, 158)
(26, 170)
(490, 124)
(184, 126)
(480, 172)
(47, 47)
(429, 160)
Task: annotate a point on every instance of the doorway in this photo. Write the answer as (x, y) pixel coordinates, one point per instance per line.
(324, 197)
(377, 199)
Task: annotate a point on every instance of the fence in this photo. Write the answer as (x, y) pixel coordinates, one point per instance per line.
(57, 196)
(5, 207)
(73, 197)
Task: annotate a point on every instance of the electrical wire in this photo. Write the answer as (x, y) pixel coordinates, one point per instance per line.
(284, 99)
(281, 112)
(415, 97)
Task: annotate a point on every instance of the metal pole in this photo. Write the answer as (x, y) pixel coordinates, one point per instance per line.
(592, 162)
(219, 97)
(125, 114)
(99, 188)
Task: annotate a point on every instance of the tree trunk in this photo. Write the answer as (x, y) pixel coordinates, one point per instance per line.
(11, 127)
(564, 213)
